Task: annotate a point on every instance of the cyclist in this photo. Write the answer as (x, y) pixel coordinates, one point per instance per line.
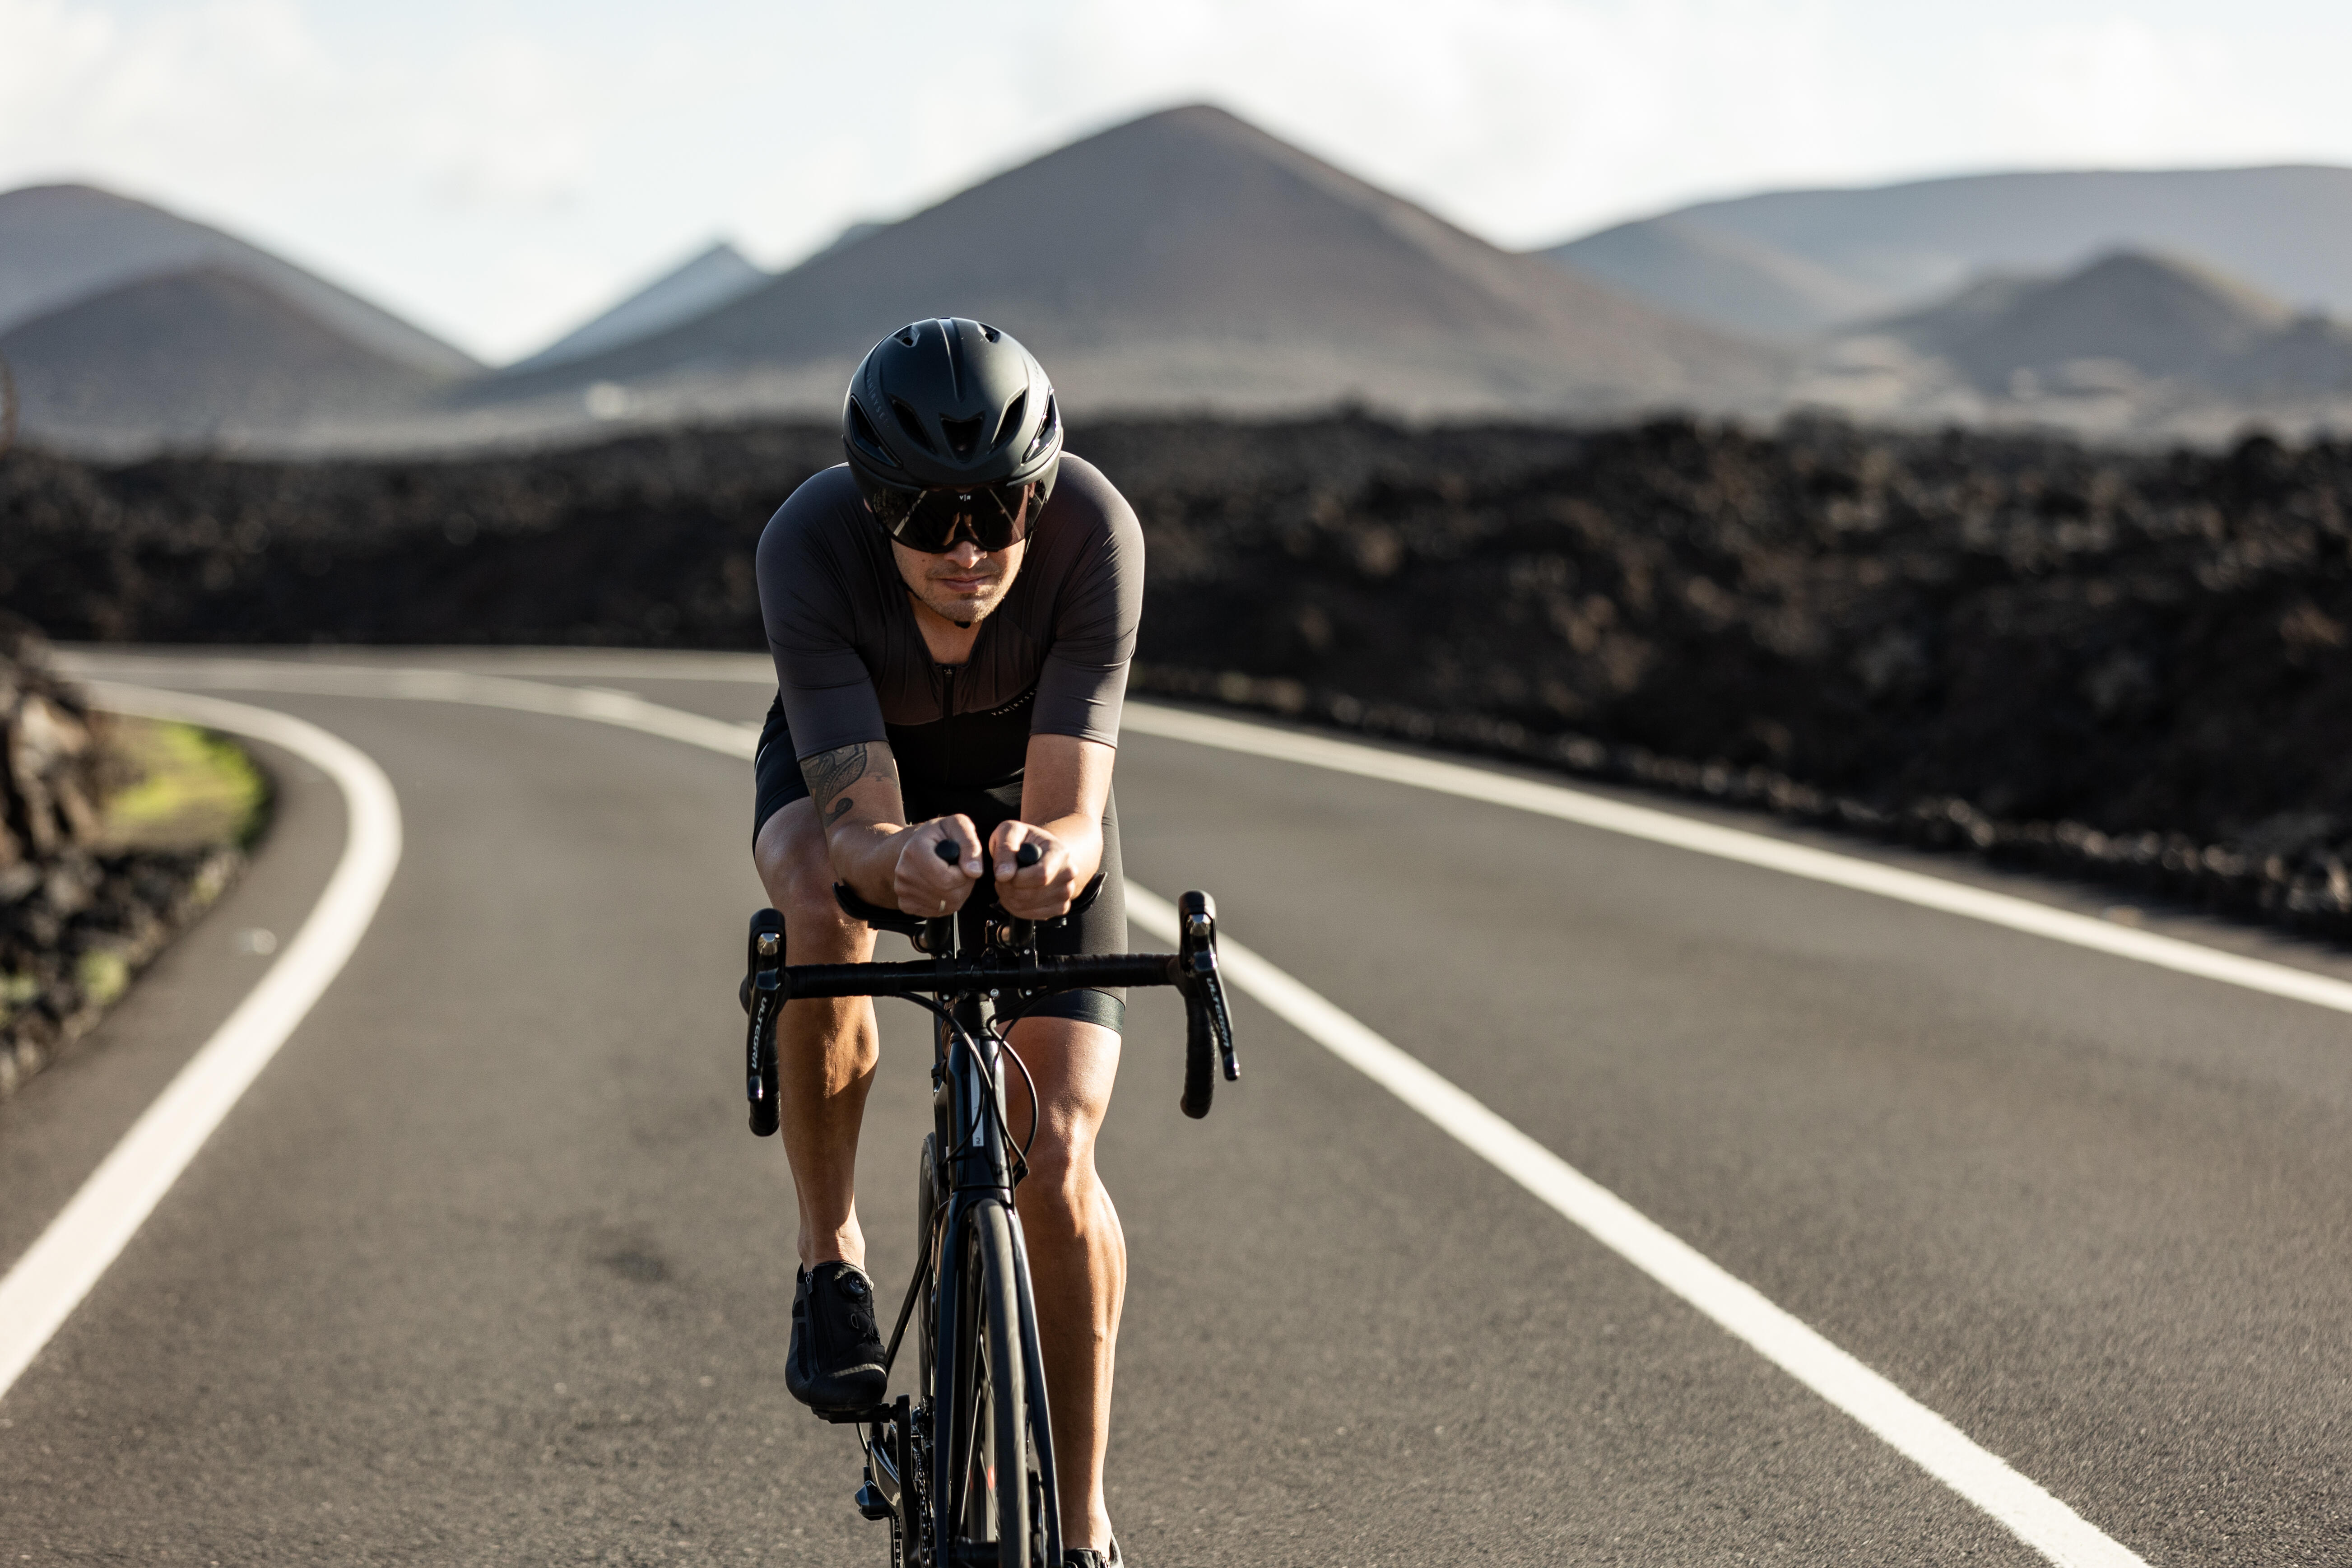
(952, 613)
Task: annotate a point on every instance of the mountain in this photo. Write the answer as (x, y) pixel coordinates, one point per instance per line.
(61, 244)
(2158, 315)
(714, 278)
(2133, 346)
(205, 356)
(2287, 230)
(850, 235)
(1726, 279)
(1188, 259)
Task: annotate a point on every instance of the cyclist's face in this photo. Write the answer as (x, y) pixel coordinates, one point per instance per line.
(964, 583)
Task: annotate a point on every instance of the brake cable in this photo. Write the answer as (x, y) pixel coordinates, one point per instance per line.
(1036, 1109)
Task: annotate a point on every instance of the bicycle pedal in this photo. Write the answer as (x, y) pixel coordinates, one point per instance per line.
(870, 1503)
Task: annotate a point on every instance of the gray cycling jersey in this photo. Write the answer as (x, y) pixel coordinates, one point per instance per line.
(851, 663)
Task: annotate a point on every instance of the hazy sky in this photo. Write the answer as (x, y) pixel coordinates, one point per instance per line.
(499, 169)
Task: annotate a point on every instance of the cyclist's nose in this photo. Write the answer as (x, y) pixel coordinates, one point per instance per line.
(965, 553)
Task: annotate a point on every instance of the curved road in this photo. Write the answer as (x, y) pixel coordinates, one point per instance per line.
(484, 1267)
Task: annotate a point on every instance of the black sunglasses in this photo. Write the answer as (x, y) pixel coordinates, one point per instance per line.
(994, 516)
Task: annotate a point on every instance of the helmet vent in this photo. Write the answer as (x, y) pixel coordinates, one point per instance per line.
(990, 334)
(912, 424)
(861, 430)
(963, 435)
(906, 335)
(1012, 422)
(1049, 432)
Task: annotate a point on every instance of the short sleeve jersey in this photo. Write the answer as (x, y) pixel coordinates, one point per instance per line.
(851, 663)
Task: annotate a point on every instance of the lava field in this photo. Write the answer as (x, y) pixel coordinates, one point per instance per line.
(2133, 666)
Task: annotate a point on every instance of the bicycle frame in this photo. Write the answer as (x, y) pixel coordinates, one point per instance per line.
(971, 1127)
(922, 1453)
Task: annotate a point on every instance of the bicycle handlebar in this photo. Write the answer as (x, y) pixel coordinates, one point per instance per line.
(1028, 855)
(1023, 973)
(765, 1003)
(964, 976)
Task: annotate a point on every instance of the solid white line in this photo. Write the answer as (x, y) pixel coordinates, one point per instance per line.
(1748, 848)
(630, 712)
(59, 1268)
(2028, 1511)
(1934, 1444)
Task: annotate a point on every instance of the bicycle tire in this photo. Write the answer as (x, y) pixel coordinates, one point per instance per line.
(1003, 1471)
(927, 1211)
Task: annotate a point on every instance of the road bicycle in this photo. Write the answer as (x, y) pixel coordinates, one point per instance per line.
(963, 1469)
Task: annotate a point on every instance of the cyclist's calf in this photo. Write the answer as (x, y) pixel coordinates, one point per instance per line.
(826, 1049)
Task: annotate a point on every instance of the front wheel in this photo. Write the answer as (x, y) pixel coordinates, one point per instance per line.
(1001, 1490)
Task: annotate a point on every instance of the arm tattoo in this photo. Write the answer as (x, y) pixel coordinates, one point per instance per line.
(830, 772)
(830, 775)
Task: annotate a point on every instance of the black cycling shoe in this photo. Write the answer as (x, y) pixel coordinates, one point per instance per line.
(835, 1361)
(1087, 1557)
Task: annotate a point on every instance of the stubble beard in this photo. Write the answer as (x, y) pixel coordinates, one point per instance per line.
(963, 611)
(934, 597)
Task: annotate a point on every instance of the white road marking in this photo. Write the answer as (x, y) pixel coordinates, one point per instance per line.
(602, 706)
(59, 1268)
(1748, 848)
(1926, 1438)
(2036, 1518)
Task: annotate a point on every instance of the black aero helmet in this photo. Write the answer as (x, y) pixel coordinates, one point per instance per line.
(950, 428)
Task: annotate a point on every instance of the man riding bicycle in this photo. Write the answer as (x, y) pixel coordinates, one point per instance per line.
(951, 614)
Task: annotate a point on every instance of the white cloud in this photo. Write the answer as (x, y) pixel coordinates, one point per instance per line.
(498, 171)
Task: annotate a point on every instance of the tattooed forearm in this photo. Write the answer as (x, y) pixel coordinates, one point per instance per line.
(830, 772)
(830, 775)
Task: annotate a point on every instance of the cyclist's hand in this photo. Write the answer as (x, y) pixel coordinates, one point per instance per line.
(1039, 892)
(926, 885)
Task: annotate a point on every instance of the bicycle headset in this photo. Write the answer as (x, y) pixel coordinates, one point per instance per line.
(951, 432)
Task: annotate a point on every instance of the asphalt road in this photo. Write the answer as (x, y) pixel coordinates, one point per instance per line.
(484, 1268)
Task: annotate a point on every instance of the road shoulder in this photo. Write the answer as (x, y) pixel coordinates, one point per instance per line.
(55, 1130)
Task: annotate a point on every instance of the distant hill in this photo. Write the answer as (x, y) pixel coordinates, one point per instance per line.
(1188, 259)
(1726, 279)
(2286, 230)
(195, 357)
(851, 234)
(716, 276)
(61, 244)
(2133, 346)
(2158, 315)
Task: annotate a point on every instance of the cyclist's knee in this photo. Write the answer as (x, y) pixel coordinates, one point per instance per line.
(797, 872)
(1061, 1182)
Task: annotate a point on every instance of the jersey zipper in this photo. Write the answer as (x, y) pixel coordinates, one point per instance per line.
(947, 713)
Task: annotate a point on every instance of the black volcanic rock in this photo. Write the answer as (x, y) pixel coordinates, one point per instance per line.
(2140, 662)
(76, 915)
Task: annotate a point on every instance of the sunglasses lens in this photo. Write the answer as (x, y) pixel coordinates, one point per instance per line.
(891, 508)
(994, 516)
